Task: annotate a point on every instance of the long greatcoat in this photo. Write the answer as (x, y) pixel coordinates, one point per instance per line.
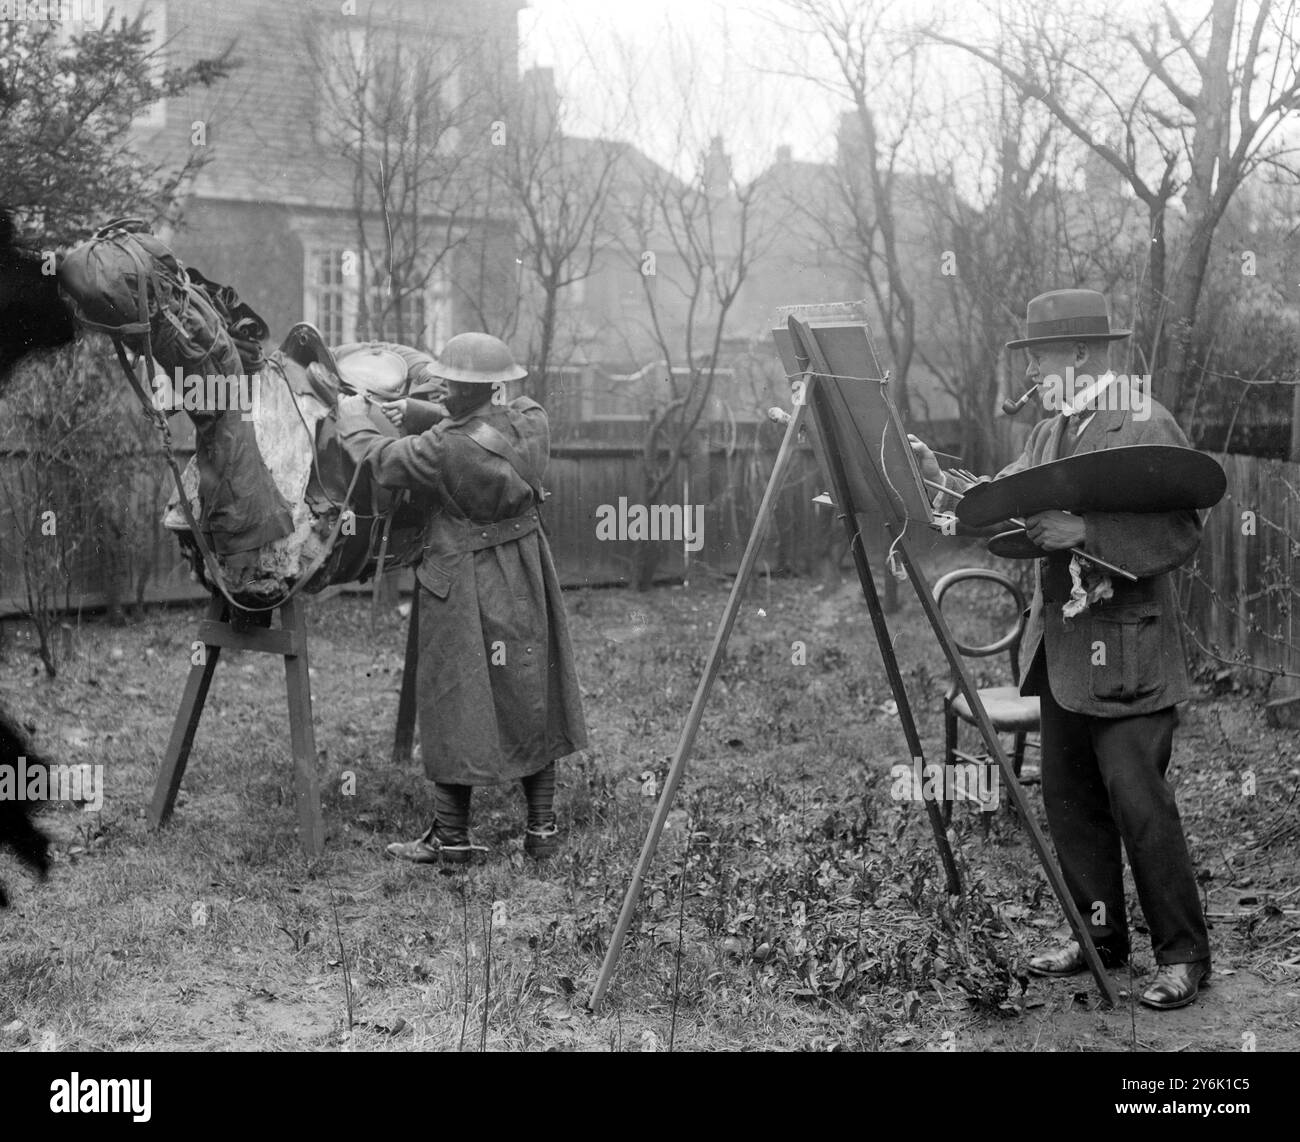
(1140, 666)
(498, 693)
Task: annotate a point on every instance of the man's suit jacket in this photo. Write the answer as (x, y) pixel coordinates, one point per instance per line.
(1124, 655)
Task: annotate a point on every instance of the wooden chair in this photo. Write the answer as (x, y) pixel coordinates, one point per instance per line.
(1007, 710)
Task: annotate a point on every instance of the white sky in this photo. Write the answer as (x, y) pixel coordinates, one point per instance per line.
(716, 48)
(721, 58)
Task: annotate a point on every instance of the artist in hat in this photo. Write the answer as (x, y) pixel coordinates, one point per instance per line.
(1106, 662)
(498, 694)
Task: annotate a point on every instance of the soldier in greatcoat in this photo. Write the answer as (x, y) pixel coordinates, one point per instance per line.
(499, 699)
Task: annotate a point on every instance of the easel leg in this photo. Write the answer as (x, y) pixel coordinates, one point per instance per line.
(686, 742)
(1009, 778)
(404, 737)
(184, 728)
(908, 722)
(833, 464)
(306, 778)
(949, 745)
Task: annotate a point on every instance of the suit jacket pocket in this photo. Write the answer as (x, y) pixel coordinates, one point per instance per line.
(1125, 652)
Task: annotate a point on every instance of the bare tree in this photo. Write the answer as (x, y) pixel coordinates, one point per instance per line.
(558, 188)
(400, 105)
(1198, 110)
(872, 68)
(693, 242)
(1247, 369)
(1005, 198)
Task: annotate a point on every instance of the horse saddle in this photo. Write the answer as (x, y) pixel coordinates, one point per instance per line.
(366, 369)
(297, 439)
(374, 372)
(304, 346)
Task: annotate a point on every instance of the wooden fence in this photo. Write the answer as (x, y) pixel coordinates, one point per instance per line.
(587, 482)
(1240, 592)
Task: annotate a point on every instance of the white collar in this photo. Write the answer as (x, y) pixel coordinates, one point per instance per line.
(1089, 395)
(1078, 431)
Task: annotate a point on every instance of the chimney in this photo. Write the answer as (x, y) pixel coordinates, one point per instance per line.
(717, 168)
(540, 100)
(783, 153)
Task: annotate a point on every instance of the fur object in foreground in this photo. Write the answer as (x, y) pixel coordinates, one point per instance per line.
(17, 831)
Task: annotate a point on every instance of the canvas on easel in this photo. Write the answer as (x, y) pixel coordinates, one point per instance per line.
(859, 418)
(841, 395)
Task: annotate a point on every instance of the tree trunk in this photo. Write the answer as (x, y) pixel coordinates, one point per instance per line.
(1185, 293)
(1295, 425)
(537, 381)
(646, 561)
(1204, 204)
(646, 564)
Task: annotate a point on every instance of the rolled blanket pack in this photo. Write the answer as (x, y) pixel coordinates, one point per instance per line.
(265, 485)
(128, 284)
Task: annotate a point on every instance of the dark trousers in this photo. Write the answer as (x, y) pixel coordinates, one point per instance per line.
(1103, 784)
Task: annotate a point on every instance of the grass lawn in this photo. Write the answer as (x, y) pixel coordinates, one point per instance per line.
(793, 905)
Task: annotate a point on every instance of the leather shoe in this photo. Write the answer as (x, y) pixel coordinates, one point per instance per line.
(1069, 960)
(1176, 985)
(430, 850)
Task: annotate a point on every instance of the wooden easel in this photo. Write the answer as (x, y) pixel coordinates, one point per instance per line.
(846, 473)
(289, 640)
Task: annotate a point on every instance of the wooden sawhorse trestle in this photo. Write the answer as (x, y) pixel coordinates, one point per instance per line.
(289, 640)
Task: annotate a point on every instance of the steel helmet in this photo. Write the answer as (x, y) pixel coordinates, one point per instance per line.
(477, 359)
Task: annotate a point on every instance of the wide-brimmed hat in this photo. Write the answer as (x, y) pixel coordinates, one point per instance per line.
(1068, 315)
(477, 359)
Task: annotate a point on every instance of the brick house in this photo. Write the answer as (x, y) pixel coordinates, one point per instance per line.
(284, 207)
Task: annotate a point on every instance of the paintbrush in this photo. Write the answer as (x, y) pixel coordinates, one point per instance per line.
(1020, 523)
